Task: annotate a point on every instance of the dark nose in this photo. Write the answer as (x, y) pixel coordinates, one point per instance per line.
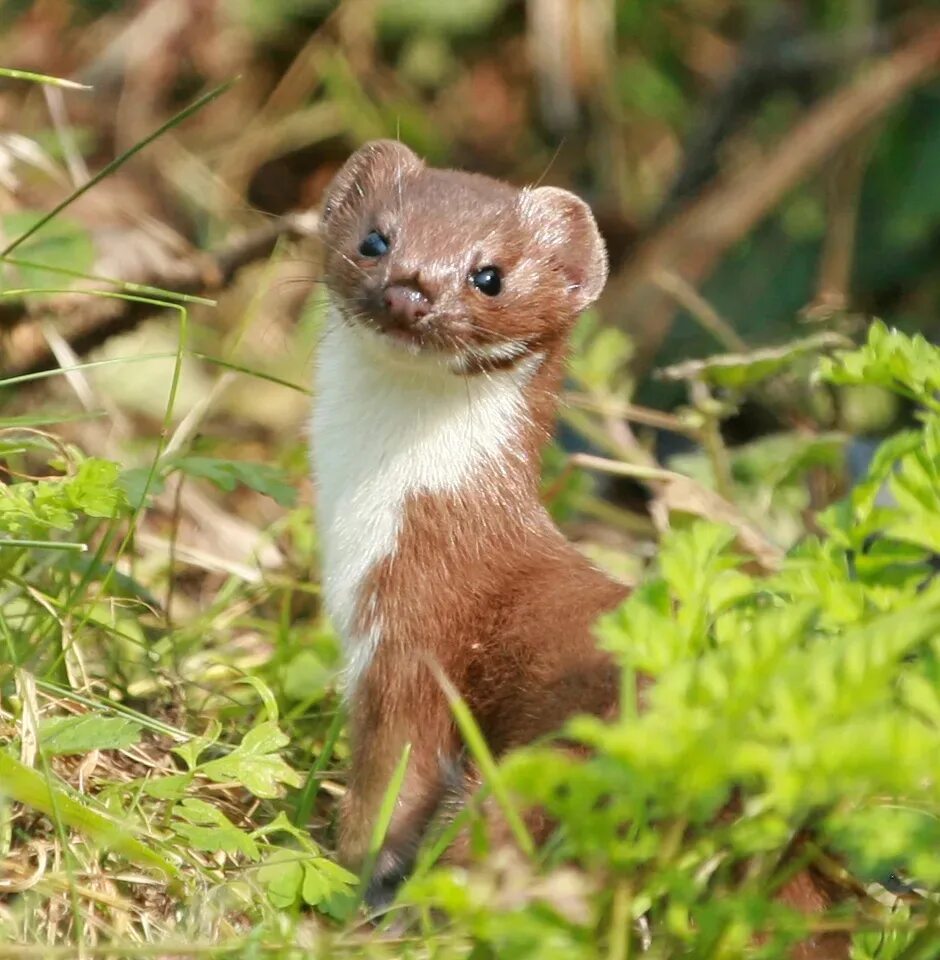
(406, 304)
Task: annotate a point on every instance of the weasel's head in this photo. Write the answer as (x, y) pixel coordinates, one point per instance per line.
(456, 264)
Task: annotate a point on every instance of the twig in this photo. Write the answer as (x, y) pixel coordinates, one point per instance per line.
(630, 411)
(674, 492)
(710, 437)
(685, 295)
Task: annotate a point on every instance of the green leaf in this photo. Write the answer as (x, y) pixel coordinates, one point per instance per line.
(227, 474)
(742, 370)
(324, 880)
(255, 763)
(89, 731)
(907, 365)
(190, 751)
(95, 490)
(600, 357)
(62, 243)
(282, 876)
(315, 888)
(882, 464)
(172, 787)
(134, 484)
(305, 677)
(208, 829)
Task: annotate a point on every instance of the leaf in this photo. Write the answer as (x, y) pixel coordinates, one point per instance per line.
(907, 365)
(61, 243)
(134, 484)
(281, 824)
(208, 829)
(95, 490)
(742, 370)
(282, 876)
(227, 474)
(884, 461)
(89, 731)
(254, 763)
(916, 488)
(784, 458)
(305, 677)
(600, 356)
(190, 751)
(172, 787)
(29, 508)
(265, 693)
(324, 880)
(315, 886)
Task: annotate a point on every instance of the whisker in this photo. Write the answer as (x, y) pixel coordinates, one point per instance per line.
(549, 165)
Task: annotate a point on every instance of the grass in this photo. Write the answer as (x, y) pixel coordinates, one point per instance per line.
(172, 741)
(190, 811)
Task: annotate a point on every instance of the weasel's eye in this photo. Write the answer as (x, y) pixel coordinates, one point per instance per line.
(488, 280)
(374, 245)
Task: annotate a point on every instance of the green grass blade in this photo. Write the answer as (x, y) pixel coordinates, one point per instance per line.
(258, 374)
(88, 365)
(125, 543)
(165, 355)
(25, 785)
(309, 793)
(45, 545)
(42, 78)
(107, 294)
(127, 286)
(384, 819)
(116, 163)
(100, 703)
(480, 752)
(32, 420)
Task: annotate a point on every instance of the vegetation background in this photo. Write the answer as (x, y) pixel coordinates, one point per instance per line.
(767, 175)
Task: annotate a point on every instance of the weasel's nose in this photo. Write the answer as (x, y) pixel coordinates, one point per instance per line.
(405, 303)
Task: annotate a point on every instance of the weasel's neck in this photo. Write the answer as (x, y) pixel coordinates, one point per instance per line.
(388, 427)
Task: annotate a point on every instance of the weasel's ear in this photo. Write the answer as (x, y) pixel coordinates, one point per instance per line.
(565, 228)
(376, 163)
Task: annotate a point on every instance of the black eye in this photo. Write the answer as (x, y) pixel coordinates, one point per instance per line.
(488, 280)
(374, 245)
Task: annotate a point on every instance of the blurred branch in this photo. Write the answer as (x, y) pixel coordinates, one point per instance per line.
(694, 242)
(780, 55)
(86, 321)
(844, 184)
(687, 297)
(676, 493)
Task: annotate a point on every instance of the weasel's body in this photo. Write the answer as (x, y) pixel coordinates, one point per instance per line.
(453, 297)
(434, 397)
(390, 432)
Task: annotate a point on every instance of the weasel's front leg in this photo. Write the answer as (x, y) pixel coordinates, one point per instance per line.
(388, 712)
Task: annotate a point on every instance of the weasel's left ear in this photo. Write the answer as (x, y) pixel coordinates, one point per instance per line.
(564, 226)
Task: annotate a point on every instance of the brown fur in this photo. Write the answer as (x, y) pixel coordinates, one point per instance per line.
(482, 584)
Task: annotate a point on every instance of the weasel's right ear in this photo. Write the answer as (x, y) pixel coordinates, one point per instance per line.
(373, 165)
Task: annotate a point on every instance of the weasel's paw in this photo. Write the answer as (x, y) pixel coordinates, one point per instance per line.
(389, 875)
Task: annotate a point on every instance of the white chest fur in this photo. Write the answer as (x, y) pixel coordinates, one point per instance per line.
(387, 425)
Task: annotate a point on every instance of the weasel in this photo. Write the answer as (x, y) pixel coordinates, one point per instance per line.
(452, 299)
